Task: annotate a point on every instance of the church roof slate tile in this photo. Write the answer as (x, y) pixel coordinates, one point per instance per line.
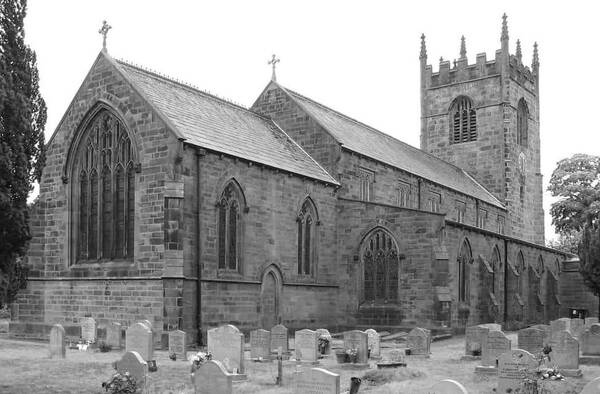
(213, 123)
(365, 140)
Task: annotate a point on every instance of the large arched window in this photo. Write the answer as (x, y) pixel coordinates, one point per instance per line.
(520, 268)
(522, 122)
(307, 221)
(381, 264)
(229, 227)
(463, 121)
(104, 191)
(465, 260)
(495, 266)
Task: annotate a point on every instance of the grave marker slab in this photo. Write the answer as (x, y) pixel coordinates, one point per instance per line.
(114, 336)
(177, 343)
(317, 381)
(531, 340)
(547, 332)
(358, 340)
(577, 327)
(474, 337)
(279, 338)
(565, 353)
(558, 325)
(138, 338)
(448, 386)
(591, 341)
(212, 378)
(418, 341)
(495, 344)
(57, 342)
(374, 343)
(306, 344)
(260, 341)
(133, 363)
(589, 321)
(226, 343)
(88, 329)
(514, 366)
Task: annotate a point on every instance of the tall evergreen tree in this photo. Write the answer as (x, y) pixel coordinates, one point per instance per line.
(22, 121)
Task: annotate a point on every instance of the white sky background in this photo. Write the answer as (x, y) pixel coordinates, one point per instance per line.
(361, 58)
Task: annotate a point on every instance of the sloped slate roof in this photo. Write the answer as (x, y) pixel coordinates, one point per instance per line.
(215, 124)
(382, 147)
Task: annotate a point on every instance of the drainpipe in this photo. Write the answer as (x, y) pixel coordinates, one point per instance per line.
(506, 281)
(200, 153)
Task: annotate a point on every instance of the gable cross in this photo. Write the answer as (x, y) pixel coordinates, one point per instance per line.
(274, 62)
(104, 31)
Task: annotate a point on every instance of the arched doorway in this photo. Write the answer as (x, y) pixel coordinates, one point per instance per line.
(269, 299)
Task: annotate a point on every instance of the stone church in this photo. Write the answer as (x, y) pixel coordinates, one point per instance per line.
(163, 202)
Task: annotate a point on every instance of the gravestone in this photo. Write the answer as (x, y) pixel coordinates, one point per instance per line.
(495, 344)
(260, 344)
(531, 340)
(448, 386)
(317, 381)
(114, 336)
(133, 363)
(57, 342)
(306, 346)
(374, 343)
(88, 329)
(226, 343)
(212, 377)
(513, 367)
(418, 341)
(589, 321)
(474, 337)
(559, 325)
(565, 353)
(177, 344)
(591, 341)
(547, 332)
(148, 323)
(358, 340)
(279, 338)
(593, 387)
(138, 338)
(492, 326)
(323, 332)
(577, 327)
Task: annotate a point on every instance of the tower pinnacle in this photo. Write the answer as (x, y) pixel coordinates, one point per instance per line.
(536, 58)
(519, 54)
(463, 48)
(504, 36)
(423, 54)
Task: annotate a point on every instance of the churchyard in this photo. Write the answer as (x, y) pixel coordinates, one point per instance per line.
(485, 360)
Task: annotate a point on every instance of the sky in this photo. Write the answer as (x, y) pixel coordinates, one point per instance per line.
(358, 57)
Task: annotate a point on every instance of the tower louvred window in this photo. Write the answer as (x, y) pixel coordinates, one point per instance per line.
(463, 121)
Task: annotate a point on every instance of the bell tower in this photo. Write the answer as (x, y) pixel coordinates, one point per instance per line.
(484, 118)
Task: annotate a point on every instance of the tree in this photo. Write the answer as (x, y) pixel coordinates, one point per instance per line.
(567, 242)
(22, 149)
(589, 255)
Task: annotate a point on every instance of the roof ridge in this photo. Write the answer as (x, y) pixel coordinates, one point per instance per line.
(186, 85)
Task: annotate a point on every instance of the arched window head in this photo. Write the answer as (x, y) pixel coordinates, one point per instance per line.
(103, 194)
(307, 221)
(522, 123)
(229, 227)
(380, 267)
(465, 260)
(463, 121)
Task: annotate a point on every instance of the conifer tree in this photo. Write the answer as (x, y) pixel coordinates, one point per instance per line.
(22, 121)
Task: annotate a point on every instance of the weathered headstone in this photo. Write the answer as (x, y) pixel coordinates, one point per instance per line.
(559, 325)
(147, 323)
(577, 327)
(513, 367)
(317, 381)
(565, 353)
(589, 321)
(593, 387)
(374, 343)
(474, 337)
(448, 386)
(88, 329)
(212, 377)
(133, 363)
(138, 338)
(114, 336)
(279, 338)
(418, 341)
(57, 342)
(306, 345)
(358, 340)
(531, 340)
(495, 344)
(547, 332)
(177, 344)
(323, 332)
(260, 341)
(591, 341)
(226, 343)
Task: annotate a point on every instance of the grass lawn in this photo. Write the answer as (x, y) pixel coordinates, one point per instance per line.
(26, 368)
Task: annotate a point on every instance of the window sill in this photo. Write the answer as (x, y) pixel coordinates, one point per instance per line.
(228, 274)
(102, 263)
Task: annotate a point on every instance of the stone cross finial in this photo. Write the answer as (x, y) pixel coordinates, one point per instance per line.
(104, 31)
(274, 62)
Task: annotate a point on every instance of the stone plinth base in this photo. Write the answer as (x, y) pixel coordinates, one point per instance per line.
(589, 359)
(486, 370)
(390, 365)
(572, 373)
(304, 362)
(468, 357)
(261, 360)
(354, 366)
(284, 357)
(239, 377)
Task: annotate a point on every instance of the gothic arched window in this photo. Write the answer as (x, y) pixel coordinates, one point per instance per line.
(495, 269)
(229, 228)
(463, 121)
(307, 221)
(381, 264)
(464, 259)
(522, 122)
(520, 268)
(104, 195)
